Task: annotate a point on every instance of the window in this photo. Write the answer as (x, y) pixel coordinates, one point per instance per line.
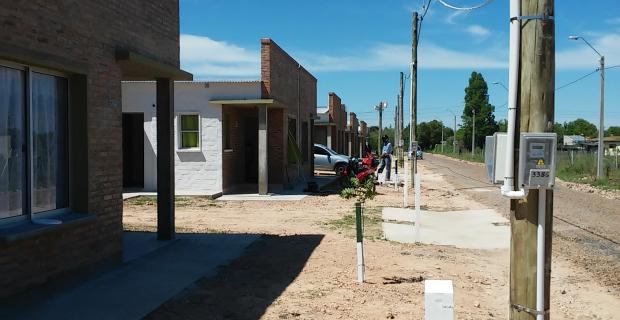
(34, 171)
(226, 131)
(320, 151)
(189, 135)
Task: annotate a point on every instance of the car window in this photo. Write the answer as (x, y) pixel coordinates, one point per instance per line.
(319, 150)
(331, 151)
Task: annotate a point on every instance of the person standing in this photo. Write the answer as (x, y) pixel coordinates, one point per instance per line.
(386, 160)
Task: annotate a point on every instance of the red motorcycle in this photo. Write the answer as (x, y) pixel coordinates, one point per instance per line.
(361, 168)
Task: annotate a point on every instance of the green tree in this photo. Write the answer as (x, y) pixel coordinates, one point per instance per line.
(430, 134)
(580, 127)
(373, 136)
(502, 125)
(612, 131)
(477, 100)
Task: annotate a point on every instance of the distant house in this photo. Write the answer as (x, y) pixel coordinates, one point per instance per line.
(228, 136)
(611, 145)
(574, 140)
(331, 125)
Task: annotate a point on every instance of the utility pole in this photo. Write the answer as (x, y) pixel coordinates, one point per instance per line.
(473, 132)
(454, 137)
(401, 148)
(413, 96)
(380, 107)
(441, 136)
(535, 113)
(396, 127)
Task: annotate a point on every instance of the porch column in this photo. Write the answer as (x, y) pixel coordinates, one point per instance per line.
(165, 159)
(329, 136)
(263, 173)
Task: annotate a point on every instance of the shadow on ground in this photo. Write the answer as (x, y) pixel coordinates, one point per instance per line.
(246, 287)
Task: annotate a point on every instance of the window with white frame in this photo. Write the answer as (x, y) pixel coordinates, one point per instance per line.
(34, 171)
(189, 131)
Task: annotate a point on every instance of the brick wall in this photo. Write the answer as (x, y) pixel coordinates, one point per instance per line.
(85, 33)
(285, 80)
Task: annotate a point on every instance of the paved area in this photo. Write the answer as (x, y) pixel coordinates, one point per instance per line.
(295, 194)
(473, 229)
(153, 274)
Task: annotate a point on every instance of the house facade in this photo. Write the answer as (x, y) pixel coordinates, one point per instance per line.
(331, 125)
(228, 136)
(61, 171)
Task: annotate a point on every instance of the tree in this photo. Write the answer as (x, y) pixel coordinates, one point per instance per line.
(580, 127)
(373, 136)
(430, 134)
(502, 125)
(477, 99)
(612, 131)
(558, 128)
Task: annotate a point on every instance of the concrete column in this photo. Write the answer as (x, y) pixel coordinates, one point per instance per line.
(165, 159)
(329, 137)
(263, 173)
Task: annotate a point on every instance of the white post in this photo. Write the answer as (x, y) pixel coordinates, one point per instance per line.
(360, 242)
(406, 185)
(417, 207)
(540, 255)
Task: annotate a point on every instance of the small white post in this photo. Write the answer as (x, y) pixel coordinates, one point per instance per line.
(417, 207)
(438, 300)
(360, 244)
(406, 185)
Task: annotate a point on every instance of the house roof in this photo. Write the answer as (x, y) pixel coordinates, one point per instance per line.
(610, 139)
(139, 67)
(248, 102)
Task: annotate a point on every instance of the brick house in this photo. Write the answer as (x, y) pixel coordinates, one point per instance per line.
(331, 125)
(61, 67)
(353, 136)
(229, 136)
(362, 136)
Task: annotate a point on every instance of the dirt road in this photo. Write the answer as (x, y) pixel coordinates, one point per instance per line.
(586, 225)
(304, 266)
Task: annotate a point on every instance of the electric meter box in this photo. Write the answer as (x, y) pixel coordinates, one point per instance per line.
(495, 157)
(537, 160)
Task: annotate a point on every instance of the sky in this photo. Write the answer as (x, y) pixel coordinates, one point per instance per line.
(357, 48)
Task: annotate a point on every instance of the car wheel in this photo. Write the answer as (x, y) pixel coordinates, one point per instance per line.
(340, 168)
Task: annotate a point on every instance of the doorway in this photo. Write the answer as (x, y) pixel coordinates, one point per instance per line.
(251, 149)
(133, 150)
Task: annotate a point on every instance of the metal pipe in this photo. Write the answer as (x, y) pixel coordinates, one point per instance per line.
(540, 255)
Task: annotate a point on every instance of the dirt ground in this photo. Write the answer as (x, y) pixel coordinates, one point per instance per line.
(304, 266)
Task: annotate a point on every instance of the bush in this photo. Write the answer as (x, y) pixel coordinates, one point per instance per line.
(359, 190)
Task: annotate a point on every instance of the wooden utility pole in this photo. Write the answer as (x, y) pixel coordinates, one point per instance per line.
(401, 149)
(473, 132)
(413, 96)
(396, 127)
(380, 108)
(535, 113)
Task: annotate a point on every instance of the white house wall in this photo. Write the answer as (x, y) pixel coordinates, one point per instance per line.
(196, 172)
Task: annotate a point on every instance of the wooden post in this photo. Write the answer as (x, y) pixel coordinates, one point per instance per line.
(535, 113)
(401, 149)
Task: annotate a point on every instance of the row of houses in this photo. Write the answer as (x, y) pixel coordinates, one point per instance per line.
(93, 101)
(218, 128)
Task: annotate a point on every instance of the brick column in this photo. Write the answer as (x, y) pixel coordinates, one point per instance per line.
(165, 159)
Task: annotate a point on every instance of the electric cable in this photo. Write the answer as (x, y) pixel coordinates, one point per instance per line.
(445, 4)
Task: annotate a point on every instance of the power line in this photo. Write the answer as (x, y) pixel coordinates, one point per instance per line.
(584, 76)
(445, 4)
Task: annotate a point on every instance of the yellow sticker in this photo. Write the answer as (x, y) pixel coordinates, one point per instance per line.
(540, 162)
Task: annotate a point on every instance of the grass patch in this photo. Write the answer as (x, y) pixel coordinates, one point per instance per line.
(478, 155)
(580, 167)
(179, 201)
(372, 220)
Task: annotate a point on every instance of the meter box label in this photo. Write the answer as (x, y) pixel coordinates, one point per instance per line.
(537, 160)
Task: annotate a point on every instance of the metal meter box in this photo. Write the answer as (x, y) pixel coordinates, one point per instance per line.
(537, 160)
(495, 157)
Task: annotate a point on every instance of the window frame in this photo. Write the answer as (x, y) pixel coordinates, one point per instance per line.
(180, 131)
(28, 164)
(226, 132)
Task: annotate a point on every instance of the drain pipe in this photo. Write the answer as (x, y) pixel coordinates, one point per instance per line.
(540, 255)
(507, 188)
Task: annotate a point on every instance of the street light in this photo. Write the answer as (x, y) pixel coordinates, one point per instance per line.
(501, 84)
(454, 133)
(601, 127)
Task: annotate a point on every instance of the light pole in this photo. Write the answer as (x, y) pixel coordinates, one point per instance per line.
(441, 135)
(601, 125)
(453, 133)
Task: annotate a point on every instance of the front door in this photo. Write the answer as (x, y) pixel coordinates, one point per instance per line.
(251, 149)
(133, 150)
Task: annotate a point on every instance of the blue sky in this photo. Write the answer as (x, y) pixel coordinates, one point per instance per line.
(357, 49)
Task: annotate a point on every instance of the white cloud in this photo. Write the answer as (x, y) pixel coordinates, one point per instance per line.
(478, 31)
(385, 56)
(211, 59)
(451, 19)
(580, 56)
(613, 20)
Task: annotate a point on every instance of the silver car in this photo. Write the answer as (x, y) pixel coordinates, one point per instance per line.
(327, 159)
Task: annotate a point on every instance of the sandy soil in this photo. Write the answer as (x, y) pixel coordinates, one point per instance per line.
(304, 266)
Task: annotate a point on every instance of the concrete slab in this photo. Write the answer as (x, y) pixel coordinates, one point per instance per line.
(258, 197)
(136, 288)
(474, 229)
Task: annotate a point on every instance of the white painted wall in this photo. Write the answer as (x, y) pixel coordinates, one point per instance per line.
(196, 172)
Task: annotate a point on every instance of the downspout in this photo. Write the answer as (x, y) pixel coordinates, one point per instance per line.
(507, 188)
(298, 122)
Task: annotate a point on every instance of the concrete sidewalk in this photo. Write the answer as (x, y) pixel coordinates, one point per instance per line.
(295, 194)
(153, 272)
(473, 229)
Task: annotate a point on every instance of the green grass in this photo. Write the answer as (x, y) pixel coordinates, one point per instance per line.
(372, 228)
(179, 201)
(478, 155)
(581, 168)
